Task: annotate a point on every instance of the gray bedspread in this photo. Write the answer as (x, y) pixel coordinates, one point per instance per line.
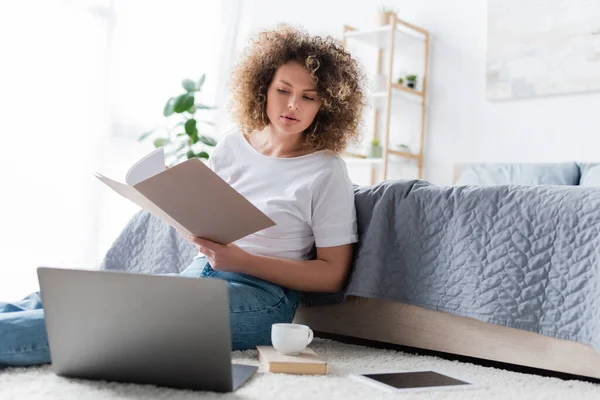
(526, 257)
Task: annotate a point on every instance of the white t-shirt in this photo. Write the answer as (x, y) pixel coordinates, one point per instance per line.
(309, 197)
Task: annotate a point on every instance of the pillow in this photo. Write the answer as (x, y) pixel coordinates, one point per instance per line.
(519, 174)
(590, 174)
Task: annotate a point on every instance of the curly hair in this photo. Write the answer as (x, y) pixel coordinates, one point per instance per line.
(339, 79)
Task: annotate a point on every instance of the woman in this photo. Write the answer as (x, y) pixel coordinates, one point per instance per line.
(298, 101)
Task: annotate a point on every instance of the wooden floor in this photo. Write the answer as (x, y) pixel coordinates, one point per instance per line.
(415, 327)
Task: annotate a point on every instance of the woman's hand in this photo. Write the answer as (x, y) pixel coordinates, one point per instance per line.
(228, 258)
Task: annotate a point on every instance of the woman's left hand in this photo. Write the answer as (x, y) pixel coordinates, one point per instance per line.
(228, 258)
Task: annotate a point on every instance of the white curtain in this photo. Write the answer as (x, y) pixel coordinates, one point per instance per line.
(80, 80)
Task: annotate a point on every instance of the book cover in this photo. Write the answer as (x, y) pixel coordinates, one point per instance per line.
(305, 363)
(190, 197)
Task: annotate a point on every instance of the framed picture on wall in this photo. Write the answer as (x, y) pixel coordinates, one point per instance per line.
(538, 48)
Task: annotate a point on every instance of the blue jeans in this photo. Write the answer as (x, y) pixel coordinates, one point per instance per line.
(254, 305)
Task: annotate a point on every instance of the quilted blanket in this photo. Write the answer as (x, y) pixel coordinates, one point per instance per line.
(526, 257)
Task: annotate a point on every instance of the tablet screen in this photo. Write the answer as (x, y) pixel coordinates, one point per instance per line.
(421, 379)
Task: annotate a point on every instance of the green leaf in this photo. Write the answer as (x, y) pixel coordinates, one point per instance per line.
(188, 85)
(168, 110)
(190, 154)
(183, 103)
(202, 154)
(194, 137)
(190, 127)
(161, 142)
(180, 134)
(207, 140)
(145, 135)
(200, 82)
(201, 106)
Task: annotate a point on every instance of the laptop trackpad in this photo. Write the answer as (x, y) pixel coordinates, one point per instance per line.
(241, 373)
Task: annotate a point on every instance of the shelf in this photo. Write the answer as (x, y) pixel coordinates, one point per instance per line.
(404, 154)
(356, 158)
(405, 92)
(387, 92)
(406, 89)
(379, 37)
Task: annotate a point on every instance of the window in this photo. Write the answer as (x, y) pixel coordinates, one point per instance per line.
(80, 81)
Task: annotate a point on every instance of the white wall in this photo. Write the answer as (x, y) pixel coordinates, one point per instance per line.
(461, 125)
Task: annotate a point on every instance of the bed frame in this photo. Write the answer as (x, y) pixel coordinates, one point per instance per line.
(407, 325)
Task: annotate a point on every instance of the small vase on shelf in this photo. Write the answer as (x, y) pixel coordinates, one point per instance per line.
(411, 81)
(385, 14)
(375, 150)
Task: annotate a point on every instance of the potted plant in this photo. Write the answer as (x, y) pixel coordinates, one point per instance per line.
(400, 81)
(183, 138)
(385, 13)
(375, 150)
(411, 81)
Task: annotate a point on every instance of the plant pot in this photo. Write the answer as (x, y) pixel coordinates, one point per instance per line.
(384, 17)
(411, 84)
(374, 152)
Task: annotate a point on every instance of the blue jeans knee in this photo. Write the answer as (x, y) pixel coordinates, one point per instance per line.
(254, 304)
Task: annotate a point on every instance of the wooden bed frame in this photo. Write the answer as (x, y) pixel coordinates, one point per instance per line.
(407, 325)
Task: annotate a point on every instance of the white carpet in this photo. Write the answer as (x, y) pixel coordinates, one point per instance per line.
(343, 359)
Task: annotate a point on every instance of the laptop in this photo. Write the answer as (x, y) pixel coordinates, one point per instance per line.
(150, 329)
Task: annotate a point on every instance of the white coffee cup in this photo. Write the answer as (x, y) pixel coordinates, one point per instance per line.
(290, 339)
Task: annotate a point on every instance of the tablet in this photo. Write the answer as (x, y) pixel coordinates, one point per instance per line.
(414, 381)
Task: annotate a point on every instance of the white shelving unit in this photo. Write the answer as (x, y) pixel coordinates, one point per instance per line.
(394, 37)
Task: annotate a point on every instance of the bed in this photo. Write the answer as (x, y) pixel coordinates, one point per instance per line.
(384, 316)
